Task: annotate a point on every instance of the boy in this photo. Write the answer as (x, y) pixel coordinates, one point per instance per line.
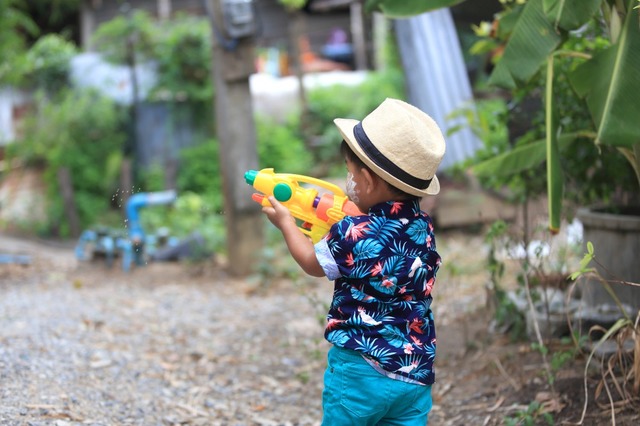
(384, 263)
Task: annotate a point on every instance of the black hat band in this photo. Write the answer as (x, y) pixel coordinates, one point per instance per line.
(384, 163)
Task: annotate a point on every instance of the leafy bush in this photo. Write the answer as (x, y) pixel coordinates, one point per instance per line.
(589, 169)
(184, 60)
(281, 147)
(81, 131)
(200, 173)
(15, 25)
(48, 63)
(123, 36)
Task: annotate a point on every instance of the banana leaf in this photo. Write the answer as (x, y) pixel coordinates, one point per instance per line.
(533, 39)
(610, 82)
(406, 8)
(508, 21)
(523, 157)
(570, 14)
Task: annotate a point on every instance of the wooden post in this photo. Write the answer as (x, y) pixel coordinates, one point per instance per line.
(66, 186)
(233, 63)
(357, 34)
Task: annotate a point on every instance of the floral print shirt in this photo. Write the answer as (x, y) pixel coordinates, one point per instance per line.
(384, 265)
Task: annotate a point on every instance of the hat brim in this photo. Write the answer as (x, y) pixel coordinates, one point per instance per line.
(345, 126)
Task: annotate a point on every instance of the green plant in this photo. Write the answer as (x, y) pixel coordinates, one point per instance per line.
(82, 132)
(122, 37)
(200, 173)
(487, 119)
(183, 56)
(538, 35)
(15, 25)
(281, 147)
(558, 359)
(533, 415)
(48, 63)
(506, 314)
(620, 370)
(181, 51)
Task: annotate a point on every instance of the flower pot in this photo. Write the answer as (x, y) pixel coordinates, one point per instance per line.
(615, 235)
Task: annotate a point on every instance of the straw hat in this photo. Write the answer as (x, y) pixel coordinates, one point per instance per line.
(400, 143)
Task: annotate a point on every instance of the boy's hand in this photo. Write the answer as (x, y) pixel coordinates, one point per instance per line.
(299, 245)
(278, 214)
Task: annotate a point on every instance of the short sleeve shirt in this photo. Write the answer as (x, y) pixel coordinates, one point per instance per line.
(384, 265)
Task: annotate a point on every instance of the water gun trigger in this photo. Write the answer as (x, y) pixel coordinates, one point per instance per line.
(260, 199)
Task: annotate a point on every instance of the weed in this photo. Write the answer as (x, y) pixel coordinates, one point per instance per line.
(533, 415)
(620, 371)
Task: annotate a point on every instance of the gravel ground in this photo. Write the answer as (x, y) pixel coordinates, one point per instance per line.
(163, 344)
(185, 344)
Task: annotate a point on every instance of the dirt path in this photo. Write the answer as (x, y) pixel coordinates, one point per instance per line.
(169, 344)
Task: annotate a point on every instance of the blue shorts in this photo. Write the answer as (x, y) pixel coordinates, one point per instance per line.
(356, 394)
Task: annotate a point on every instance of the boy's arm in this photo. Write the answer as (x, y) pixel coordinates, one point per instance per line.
(299, 245)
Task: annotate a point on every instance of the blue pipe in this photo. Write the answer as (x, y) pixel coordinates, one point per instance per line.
(143, 199)
(86, 237)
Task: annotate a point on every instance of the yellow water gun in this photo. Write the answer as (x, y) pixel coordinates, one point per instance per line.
(316, 211)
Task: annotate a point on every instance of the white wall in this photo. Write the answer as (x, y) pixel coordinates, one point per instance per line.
(10, 100)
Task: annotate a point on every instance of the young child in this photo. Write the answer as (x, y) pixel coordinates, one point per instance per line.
(384, 263)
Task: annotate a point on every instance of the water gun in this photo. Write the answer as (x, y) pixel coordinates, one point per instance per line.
(316, 211)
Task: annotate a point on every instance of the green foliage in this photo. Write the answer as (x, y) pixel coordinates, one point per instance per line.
(586, 260)
(123, 36)
(507, 315)
(292, 4)
(495, 233)
(487, 119)
(590, 171)
(590, 88)
(81, 131)
(559, 357)
(200, 173)
(180, 49)
(48, 63)
(200, 203)
(534, 415)
(14, 26)
(281, 147)
(183, 55)
(151, 178)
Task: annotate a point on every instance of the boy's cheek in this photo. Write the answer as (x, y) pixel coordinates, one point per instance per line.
(352, 188)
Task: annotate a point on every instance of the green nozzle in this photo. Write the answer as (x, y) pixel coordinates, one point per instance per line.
(250, 176)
